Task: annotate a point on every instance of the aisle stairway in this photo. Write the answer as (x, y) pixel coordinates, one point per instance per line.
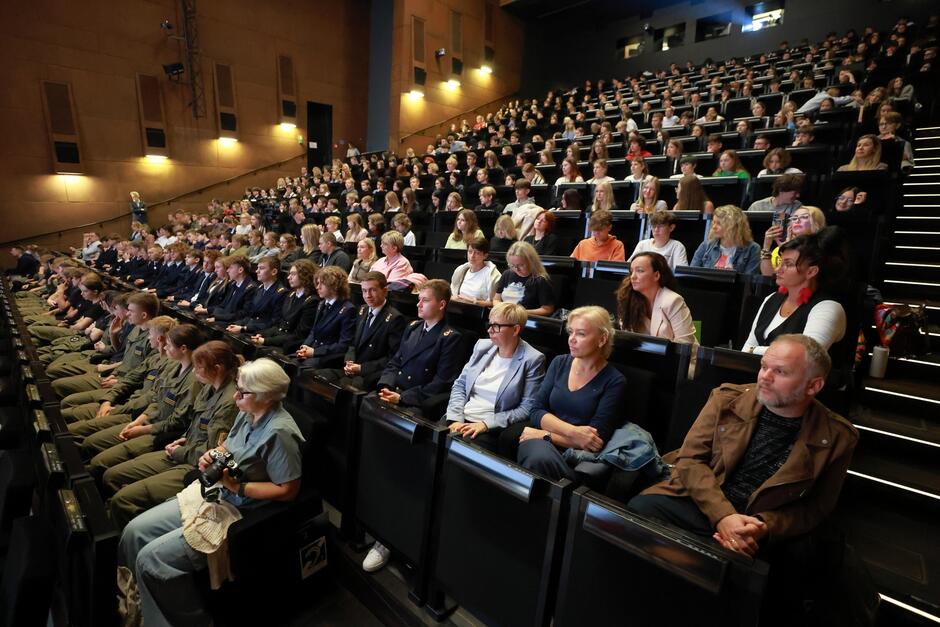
(891, 503)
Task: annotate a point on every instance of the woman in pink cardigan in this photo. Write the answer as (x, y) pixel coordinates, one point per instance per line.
(393, 265)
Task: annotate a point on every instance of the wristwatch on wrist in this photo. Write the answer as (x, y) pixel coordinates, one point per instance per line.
(547, 437)
(241, 490)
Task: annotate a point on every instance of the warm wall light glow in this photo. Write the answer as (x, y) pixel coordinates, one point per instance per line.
(415, 94)
(71, 177)
(157, 158)
(228, 140)
(485, 69)
(287, 126)
(452, 84)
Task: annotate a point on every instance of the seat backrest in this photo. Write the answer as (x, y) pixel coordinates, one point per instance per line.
(28, 573)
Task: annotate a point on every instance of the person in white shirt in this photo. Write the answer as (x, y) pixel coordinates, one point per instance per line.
(600, 173)
(670, 119)
(244, 224)
(498, 385)
(475, 281)
(402, 224)
(799, 305)
(662, 224)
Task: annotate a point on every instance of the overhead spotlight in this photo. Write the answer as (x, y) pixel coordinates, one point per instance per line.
(440, 52)
(173, 70)
(486, 69)
(415, 94)
(228, 140)
(452, 84)
(166, 25)
(288, 126)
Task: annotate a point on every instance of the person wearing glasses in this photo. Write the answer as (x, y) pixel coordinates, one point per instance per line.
(497, 386)
(800, 305)
(805, 221)
(526, 282)
(267, 445)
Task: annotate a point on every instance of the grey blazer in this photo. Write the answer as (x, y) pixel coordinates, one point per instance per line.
(517, 391)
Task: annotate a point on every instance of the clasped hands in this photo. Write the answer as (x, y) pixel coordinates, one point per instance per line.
(741, 533)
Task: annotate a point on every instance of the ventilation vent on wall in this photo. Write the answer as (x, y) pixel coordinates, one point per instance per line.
(488, 54)
(421, 76)
(152, 120)
(456, 66)
(287, 90)
(226, 102)
(62, 128)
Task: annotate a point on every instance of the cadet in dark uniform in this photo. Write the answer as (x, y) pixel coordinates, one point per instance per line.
(379, 329)
(426, 364)
(429, 358)
(240, 290)
(298, 311)
(264, 309)
(333, 328)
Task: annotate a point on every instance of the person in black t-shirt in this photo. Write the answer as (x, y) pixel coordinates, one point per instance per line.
(526, 282)
(87, 309)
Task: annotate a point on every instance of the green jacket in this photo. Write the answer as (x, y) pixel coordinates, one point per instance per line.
(141, 398)
(212, 418)
(136, 351)
(173, 400)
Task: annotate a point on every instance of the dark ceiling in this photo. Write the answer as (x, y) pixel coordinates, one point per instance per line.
(586, 10)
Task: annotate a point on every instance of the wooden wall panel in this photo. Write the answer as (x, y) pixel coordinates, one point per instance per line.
(99, 47)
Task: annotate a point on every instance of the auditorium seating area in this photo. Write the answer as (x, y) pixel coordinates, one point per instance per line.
(475, 537)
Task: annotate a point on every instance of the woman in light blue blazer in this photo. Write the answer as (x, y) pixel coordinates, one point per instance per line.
(497, 387)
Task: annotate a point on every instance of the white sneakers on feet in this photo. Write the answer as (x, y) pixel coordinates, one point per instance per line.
(376, 558)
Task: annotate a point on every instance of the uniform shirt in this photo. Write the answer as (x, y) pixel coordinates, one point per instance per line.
(213, 415)
(269, 450)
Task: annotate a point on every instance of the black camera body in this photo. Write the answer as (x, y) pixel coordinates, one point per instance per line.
(210, 478)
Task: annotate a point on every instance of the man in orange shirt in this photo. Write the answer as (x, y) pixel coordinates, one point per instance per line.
(601, 246)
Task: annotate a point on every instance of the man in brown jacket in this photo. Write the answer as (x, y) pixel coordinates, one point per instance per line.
(762, 463)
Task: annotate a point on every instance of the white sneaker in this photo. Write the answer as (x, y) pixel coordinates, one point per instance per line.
(376, 559)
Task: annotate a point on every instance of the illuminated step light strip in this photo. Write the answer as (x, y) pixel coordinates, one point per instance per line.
(913, 265)
(910, 184)
(923, 283)
(923, 139)
(919, 247)
(917, 232)
(895, 435)
(900, 486)
(918, 218)
(902, 395)
(910, 608)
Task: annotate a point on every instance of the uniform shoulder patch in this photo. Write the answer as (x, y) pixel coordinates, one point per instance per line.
(362, 310)
(447, 332)
(414, 322)
(281, 290)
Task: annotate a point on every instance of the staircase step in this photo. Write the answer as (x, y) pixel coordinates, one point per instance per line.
(906, 463)
(919, 291)
(910, 254)
(920, 186)
(904, 237)
(929, 272)
(896, 424)
(894, 533)
(903, 395)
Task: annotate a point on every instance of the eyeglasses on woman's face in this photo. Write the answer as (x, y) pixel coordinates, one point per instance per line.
(241, 392)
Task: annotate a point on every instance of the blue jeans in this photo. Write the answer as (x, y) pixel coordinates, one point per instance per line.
(153, 547)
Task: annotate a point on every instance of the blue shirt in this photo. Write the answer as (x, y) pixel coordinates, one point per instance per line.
(597, 404)
(269, 450)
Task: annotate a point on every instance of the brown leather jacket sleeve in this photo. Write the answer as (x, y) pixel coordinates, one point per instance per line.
(693, 463)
